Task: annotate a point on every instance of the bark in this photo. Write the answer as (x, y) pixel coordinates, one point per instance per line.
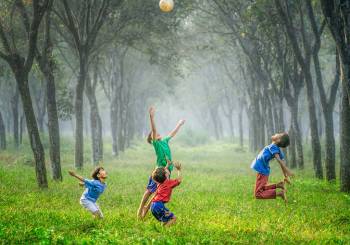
(32, 128)
(298, 137)
(15, 116)
(46, 65)
(292, 149)
(41, 101)
(228, 113)
(240, 124)
(95, 120)
(345, 141)
(2, 134)
(54, 129)
(79, 116)
(21, 128)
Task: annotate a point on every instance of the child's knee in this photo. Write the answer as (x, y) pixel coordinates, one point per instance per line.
(98, 214)
(258, 195)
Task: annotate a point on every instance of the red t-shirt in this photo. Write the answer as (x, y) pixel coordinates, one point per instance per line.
(164, 190)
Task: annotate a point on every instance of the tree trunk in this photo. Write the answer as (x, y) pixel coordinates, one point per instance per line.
(79, 117)
(330, 146)
(21, 128)
(297, 136)
(2, 134)
(345, 141)
(95, 121)
(41, 102)
(15, 115)
(315, 140)
(114, 125)
(53, 126)
(96, 132)
(32, 128)
(232, 131)
(240, 123)
(292, 148)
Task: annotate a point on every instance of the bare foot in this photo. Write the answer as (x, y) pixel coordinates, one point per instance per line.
(140, 213)
(170, 222)
(144, 212)
(286, 180)
(281, 185)
(284, 196)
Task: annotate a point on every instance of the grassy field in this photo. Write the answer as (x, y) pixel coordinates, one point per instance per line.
(214, 204)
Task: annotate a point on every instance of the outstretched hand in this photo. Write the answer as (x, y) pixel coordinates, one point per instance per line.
(152, 111)
(182, 122)
(177, 165)
(72, 173)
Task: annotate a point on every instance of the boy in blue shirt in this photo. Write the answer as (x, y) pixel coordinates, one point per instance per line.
(262, 167)
(93, 189)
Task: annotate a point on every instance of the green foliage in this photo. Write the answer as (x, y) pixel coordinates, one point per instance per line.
(214, 204)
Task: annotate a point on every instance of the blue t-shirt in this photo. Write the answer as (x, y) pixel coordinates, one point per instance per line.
(261, 162)
(94, 188)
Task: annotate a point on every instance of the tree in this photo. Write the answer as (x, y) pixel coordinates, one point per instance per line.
(337, 17)
(2, 134)
(83, 21)
(47, 66)
(287, 18)
(21, 65)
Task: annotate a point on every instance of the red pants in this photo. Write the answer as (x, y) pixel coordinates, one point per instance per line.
(262, 189)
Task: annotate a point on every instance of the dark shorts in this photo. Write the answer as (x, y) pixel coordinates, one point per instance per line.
(151, 186)
(160, 212)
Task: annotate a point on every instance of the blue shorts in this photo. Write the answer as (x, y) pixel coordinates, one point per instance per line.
(152, 186)
(160, 212)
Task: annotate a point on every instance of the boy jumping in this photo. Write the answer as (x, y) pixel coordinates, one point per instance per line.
(261, 165)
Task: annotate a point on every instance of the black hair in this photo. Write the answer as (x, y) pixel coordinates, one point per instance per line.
(96, 172)
(159, 175)
(284, 140)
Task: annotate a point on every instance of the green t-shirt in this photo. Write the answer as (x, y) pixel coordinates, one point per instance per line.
(163, 152)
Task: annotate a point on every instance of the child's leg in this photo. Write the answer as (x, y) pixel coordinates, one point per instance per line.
(151, 188)
(283, 195)
(98, 214)
(146, 209)
(143, 202)
(170, 222)
(262, 190)
(92, 207)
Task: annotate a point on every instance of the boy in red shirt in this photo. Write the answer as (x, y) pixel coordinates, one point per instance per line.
(163, 194)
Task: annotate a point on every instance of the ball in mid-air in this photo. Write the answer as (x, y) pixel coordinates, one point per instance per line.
(166, 5)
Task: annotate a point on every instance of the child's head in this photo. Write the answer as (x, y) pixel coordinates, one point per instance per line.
(281, 139)
(150, 137)
(99, 173)
(159, 175)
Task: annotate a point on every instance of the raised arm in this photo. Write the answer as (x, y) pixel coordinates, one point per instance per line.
(153, 125)
(286, 171)
(176, 129)
(72, 173)
(168, 163)
(178, 167)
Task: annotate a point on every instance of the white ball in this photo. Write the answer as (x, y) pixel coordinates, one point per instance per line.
(166, 5)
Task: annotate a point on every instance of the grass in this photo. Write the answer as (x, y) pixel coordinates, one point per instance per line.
(214, 204)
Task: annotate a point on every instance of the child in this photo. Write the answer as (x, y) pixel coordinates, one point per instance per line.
(162, 150)
(163, 194)
(261, 165)
(94, 188)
